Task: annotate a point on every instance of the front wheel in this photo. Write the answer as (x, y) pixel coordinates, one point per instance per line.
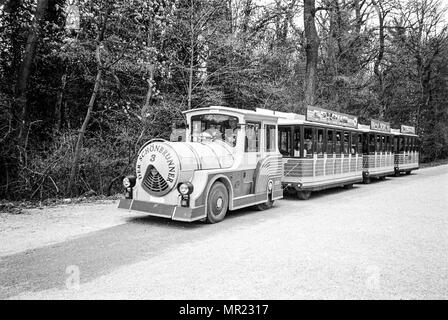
(217, 203)
(304, 195)
(267, 205)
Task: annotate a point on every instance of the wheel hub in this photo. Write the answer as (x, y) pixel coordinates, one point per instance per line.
(219, 203)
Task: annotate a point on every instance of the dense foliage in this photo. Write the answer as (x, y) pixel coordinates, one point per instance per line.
(83, 83)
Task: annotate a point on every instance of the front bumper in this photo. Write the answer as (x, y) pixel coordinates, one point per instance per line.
(164, 210)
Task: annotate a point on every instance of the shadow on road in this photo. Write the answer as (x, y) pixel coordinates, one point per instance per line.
(139, 239)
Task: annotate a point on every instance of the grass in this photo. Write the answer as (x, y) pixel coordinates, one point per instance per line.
(434, 163)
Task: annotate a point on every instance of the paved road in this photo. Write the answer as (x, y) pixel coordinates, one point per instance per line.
(386, 240)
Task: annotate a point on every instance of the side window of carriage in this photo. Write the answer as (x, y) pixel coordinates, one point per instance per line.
(252, 139)
(270, 138)
(320, 141)
(338, 148)
(346, 142)
(284, 141)
(388, 146)
(354, 143)
(308, 142)
(378, 143)
(330, 142)
(371, 143)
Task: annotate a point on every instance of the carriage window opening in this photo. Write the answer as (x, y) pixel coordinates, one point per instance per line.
(395, 145)
(401, 144)
(378, 143)
(270, 138)
(330, 141)
(338, 142)
(413, 144)
(252, 137)
(365, 143)
(346, 142)
(371, 143)
(284, 141)
(388, 143)
(308, 142)
(359, 143)
(354, 146)
(215, 127)
(297, 142)
(320, 141)
(383, 143)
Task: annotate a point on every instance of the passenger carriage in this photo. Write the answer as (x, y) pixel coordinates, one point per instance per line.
(378, 155)
(320, 150)
(230, 160)
(406, 147)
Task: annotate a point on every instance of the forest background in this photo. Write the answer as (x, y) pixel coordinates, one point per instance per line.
(84, 83)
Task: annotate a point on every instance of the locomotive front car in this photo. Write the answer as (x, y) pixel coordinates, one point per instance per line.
(320, 150)
(406, 147)
(229, 160)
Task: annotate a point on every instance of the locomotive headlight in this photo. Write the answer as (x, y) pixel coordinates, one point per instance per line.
(185, 188)
(129, 182)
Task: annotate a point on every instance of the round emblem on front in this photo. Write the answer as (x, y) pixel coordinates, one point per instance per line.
(157, 168)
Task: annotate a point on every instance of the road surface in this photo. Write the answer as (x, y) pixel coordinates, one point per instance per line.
(386, 240)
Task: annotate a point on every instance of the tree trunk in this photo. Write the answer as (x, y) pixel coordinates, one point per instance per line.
(379, 58)
(96, 88)
(58, 110)
(190, 80)
(358, 22)
(311, 48)
(247, 11)
(82, 131)
(25, 67)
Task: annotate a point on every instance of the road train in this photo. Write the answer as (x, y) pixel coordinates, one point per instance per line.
(227, 159)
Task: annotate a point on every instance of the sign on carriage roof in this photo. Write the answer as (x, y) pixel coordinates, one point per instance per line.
(331, 117)
(380, 125)
(407, 129)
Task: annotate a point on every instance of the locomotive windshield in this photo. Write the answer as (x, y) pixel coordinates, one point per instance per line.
(215, 127)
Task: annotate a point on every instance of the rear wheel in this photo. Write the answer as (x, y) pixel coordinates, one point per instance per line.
(217, 202)
(304, 195)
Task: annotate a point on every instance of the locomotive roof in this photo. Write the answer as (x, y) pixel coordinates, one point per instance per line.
(249, 114)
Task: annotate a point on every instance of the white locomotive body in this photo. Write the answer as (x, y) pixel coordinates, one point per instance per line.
(229, 161)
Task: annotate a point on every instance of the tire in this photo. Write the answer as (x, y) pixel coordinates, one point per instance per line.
(267, 205)
(217, 202)
(408, 172)
(304, 195)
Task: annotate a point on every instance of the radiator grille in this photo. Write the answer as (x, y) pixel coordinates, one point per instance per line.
(153, 181)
